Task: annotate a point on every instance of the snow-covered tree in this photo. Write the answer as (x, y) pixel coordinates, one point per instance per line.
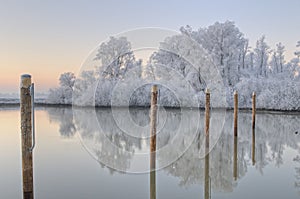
(249, 61)
(67, 80)
(280, 54)
(261, 53)
(112, 61)
(277, 59)
(62, 94)
(170, 60)
(227, 45)
(185, 62)
(297, 53)
(244, 53)
(274, 62)
(116, 58)
(293, 65)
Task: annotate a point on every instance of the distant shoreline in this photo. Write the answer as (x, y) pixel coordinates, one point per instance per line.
(40, 105)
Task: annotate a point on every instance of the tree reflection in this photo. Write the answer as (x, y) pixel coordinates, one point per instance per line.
(63, 116)
(273, 134)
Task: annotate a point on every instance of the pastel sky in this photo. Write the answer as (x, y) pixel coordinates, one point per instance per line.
(46, 38)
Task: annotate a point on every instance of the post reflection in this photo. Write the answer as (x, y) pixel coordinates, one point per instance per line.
(153, 184)
(206, 170)
(226, 162)
(152, 169)
(253, 146)
(235, 161)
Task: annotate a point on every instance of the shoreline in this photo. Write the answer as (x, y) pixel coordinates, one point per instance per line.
(41, 105)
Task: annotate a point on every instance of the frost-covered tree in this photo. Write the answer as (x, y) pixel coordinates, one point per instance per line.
(297, 53)
(227, 45)
(261, 54)
(86, 79)
(185, 62)
(67, 80)
(294, 65)
(172, 61)
(274, 62)
(244, 53)
(113, 60)
(249, 60)
(277, 60)
(62, 94)
(280, 54)
(116, 58)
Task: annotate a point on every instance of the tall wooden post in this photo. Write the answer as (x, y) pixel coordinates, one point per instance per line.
(253, 109)
(26, 135)
(207, 111)
(153, 119)
(253, 126)
(235, 113)
(206, 166)
(235, 128)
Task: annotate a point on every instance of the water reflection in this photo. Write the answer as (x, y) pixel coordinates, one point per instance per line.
(297, 171)
(65, 117)
(207, 186)
(228, 161)
(253, 147)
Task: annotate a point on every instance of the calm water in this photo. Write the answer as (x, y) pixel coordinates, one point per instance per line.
(74, 147)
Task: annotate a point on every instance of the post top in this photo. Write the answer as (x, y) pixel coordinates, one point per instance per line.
(235, 92)
(154, 88)
(207, 90)
(25, 76)
(253, 93)
(25, 81)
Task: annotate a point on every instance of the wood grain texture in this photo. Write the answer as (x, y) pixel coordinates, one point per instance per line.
(26, 137)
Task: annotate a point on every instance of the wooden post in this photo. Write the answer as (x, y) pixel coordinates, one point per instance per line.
(206, 166)
(26, 135)
(207, 111)
(235, 169)
(235, 114)
(253, 126)
(153, 118)
(253, 109)
(235, 126)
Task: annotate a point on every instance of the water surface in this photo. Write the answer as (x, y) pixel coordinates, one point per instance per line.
(73, 151)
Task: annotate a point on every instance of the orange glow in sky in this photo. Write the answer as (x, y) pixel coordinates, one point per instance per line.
(47, 38)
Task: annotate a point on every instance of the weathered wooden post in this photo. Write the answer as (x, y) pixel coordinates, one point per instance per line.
(26, 136)
(253, 126)
(153, 119)
(235, 113)
(235, 127)
(253, 109)
(207, 111)
(206, 166)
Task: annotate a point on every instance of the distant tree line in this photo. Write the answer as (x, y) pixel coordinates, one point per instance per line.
(244, 68)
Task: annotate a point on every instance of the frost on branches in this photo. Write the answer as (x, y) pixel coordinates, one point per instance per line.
(217, 57)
